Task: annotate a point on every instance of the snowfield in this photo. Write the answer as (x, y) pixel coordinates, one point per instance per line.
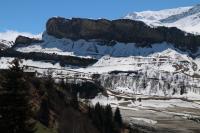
(145, 120)
(184, 18)
(11, 35)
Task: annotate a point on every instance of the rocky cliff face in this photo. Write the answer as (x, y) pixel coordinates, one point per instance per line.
(77, 28)
(121, 30)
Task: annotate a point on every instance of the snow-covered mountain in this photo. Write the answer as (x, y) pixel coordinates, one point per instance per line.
(145, 64)
(144, 68)
(127, 68)
(184, 18)
(164, 71)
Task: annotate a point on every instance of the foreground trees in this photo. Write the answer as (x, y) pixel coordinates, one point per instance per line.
(103, 118)
(15, 107)
(118, 118)
(55, 106)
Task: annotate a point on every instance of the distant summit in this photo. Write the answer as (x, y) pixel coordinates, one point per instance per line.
(184, 18)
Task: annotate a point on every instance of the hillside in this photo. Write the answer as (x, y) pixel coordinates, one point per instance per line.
(147, 58)
(184, 18)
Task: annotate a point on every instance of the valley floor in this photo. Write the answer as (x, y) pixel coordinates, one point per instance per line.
(157, 114)
(167, 120)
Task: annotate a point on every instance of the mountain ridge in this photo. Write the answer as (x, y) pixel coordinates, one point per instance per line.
(69, 35)
(129, 48)
(184, 18)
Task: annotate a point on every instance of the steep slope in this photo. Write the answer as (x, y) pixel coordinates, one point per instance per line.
(184, 18)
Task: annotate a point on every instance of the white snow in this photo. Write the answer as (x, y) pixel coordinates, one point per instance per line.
(104, 100)
(144, 104)
(184, 18)
(145, 120)
(5, 44)
(11, 35)
(91, 48)
(158, 61)
(155, 16)
(190, 96)
(124, 90)
(160, 66)
(5, 63)
(166, 103)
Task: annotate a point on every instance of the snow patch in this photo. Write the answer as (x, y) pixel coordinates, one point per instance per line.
(11, 35)
(145, 120)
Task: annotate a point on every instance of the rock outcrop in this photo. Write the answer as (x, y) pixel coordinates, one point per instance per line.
(25, 41)
(52, 58)
(121, 30)
(5, 44)
(76, 28)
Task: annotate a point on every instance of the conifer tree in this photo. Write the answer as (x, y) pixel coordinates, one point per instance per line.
(118, 118)
(44, 112)
(15, 108)
(108, 119)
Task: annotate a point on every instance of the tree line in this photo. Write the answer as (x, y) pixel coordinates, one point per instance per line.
(18, 115)
(104, 119)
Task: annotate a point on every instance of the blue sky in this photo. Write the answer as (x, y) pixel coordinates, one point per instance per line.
(31, 15)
